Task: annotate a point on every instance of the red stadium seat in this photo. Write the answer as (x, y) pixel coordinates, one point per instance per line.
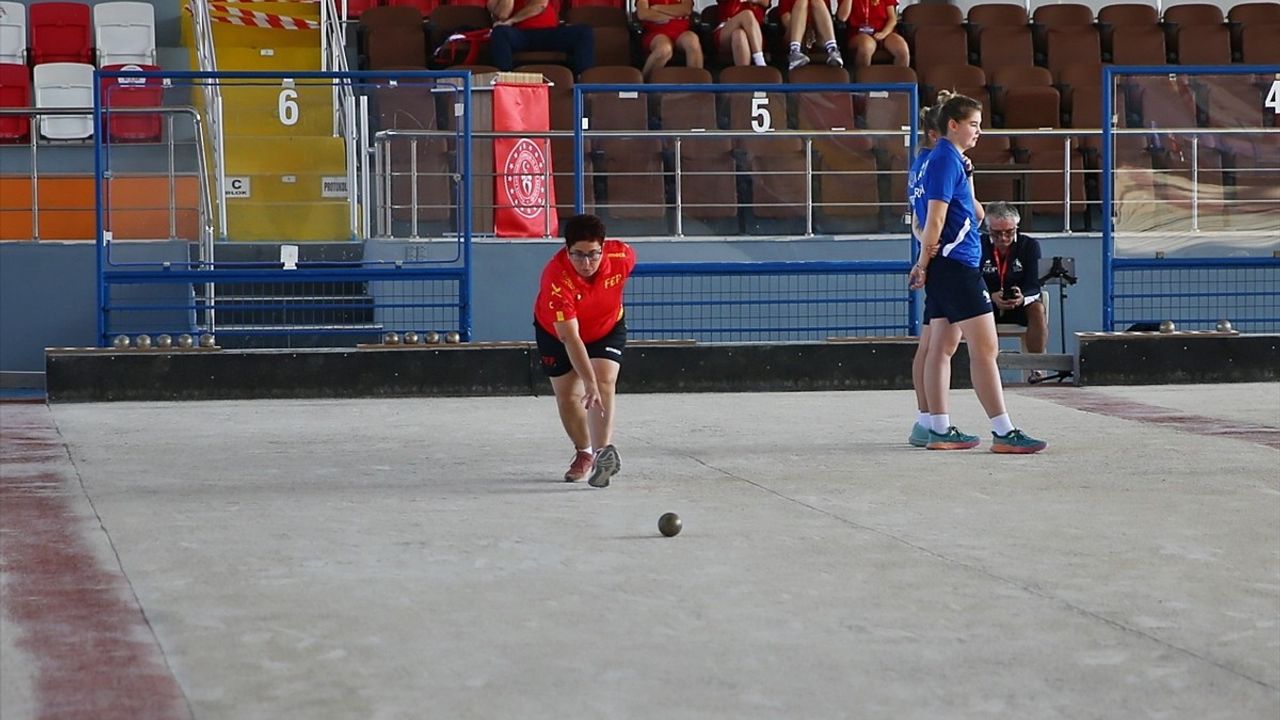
(15, 92)
(127, 92)
(61, 32)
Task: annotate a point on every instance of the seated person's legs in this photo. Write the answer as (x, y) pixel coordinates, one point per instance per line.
(660, 51)
(897, 46)
(504, 43)
(1037, 322)
(863, 47)
(691, 46)
(577, 41)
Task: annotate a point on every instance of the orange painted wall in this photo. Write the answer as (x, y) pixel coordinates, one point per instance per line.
(138, 207)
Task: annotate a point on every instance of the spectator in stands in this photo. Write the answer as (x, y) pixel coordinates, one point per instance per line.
(956, 300)
(795, 16)
(581, 332)
(521, 25)
(739, 30)
(667, 25)
(871, 25)
(1011, 269)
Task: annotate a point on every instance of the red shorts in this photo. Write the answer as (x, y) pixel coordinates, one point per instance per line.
(672, 29)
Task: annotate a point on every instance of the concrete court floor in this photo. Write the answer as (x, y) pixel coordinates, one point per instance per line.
(418, 558)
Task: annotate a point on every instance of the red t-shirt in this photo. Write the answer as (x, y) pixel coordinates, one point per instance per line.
(596, 301)
(871, 13)
(730, 8)
(671, 26)
(785, 6)
(548, 18)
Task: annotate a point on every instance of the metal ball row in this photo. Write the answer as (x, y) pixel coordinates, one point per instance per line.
(430, 337)
(163, 342)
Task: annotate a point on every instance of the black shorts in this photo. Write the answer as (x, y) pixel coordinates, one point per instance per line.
(954, 291)
(1017, 316)
(555, 358)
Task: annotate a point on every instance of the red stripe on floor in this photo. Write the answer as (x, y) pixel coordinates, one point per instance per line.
(93, 655)
(1102, 404)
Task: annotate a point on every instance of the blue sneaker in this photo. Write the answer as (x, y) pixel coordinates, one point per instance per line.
(919, 435)
(1017, 442)
(952, 439)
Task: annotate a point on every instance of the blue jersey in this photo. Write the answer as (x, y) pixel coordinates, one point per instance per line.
(943, 179)
(915, 195)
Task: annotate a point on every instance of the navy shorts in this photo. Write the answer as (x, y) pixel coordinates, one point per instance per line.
(555, 357)
(954, 291)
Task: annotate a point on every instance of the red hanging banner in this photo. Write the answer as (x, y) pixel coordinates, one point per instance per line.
(524, 195)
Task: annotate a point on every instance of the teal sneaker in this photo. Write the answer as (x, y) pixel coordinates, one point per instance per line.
(1017, 442)
(952, 439)
(919, 435)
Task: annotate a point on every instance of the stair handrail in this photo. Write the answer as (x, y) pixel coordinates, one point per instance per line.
(207, 60)
(347, 122)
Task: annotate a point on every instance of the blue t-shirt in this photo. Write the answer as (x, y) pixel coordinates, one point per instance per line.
(943, 179)
(915, 196)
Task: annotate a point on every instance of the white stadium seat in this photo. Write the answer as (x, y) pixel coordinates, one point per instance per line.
(125, 33)
(13, 33)
(61, 85)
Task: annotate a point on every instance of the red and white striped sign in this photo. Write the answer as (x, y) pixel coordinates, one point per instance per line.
(251, 18)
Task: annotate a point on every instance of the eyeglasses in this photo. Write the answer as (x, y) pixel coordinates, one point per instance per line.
(1004, 233)
(580, 256)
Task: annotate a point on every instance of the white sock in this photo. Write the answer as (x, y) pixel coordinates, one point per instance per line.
(1001, 424)
(586, 450)
(757, 58)
(922, 419)
(794, 47)
(830, 46)
(940, 423)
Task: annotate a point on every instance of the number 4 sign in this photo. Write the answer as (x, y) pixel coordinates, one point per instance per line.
(1273, 97)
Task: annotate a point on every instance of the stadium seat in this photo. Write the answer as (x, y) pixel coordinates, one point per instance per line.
(1002, 45)
(1246, 15)
(125, 33)
(1190, 17)
(1064, 15)
(939, 45)
(1070, 45)
(773, 167)
(1259, 44)
(1078, 75)
(60, 85)
(917, 15)
(629, 170)
(412, 106)
(133, 93)
(560, 100)
(60, 33)
(356, 7)
(844, 163)
(1015, 76)
(447, 19)
(1138, 45)
(15, 92)
(1204, 45)
(996, 14)
(708, 186)
(394, 38)
(995, 176)
(1125, 15)
(964, 79)
(13, 33)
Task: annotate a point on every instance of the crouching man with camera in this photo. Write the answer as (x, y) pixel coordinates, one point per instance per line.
(1011, 269)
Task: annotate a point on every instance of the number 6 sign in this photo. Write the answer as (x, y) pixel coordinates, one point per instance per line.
(288, 107)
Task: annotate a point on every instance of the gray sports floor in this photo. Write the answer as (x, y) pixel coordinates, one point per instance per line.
(419, 558)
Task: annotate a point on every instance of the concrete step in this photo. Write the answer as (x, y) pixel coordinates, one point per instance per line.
(1035, 361)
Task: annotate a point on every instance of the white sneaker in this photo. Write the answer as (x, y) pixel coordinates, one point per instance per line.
(607, 465)
(797, 59)
(834, 58)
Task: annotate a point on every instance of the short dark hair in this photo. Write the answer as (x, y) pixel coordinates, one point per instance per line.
(583, 227)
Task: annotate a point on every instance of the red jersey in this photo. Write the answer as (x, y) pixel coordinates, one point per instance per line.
(870, 13)
(596, 301)
(548, 18)
(730, 8)
(674, 26)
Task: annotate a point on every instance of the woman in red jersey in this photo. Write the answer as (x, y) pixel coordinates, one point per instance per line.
(872, 24)
(581, 333)
(739, 30)
(666, 27)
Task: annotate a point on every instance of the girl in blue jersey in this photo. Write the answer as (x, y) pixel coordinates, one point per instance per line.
(928, 124)
(956, 299)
